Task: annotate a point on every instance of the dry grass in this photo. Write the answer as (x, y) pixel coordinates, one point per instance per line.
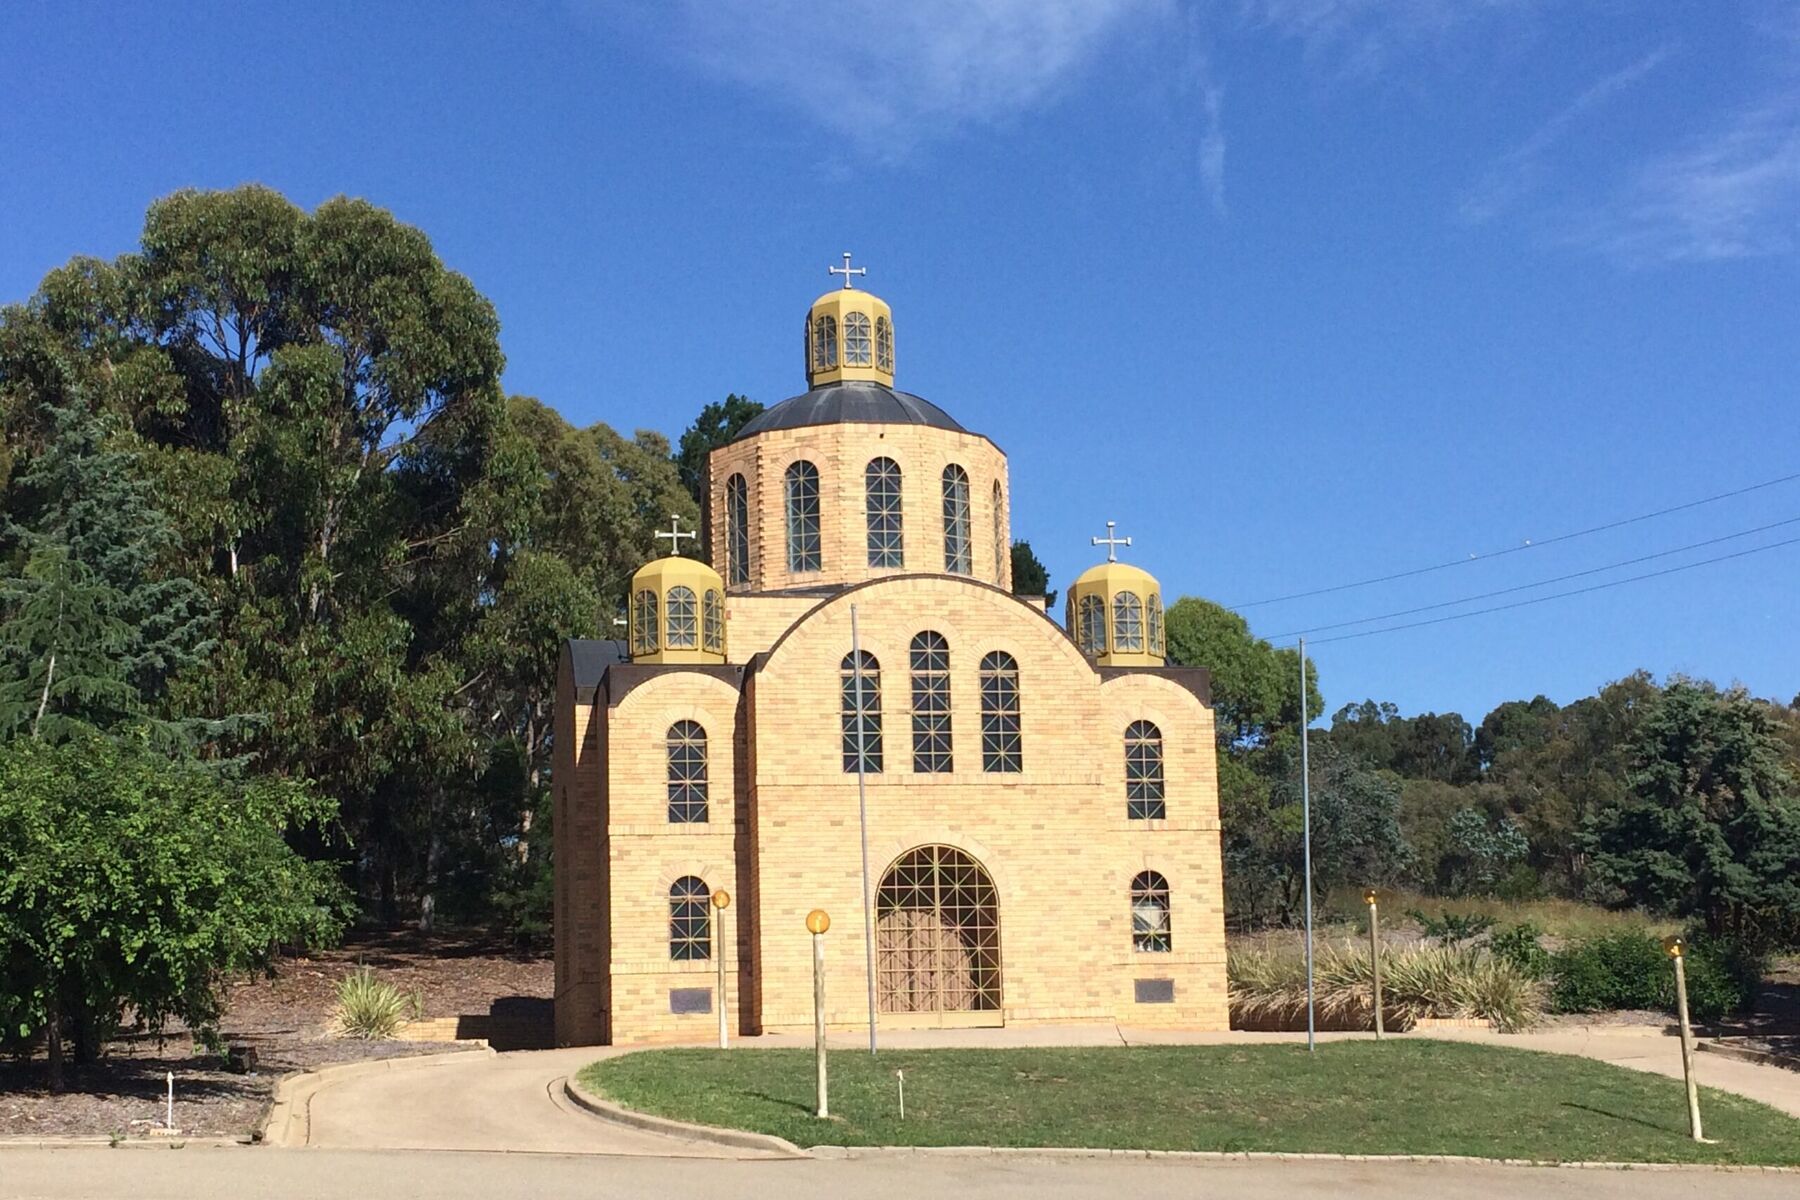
(1560, 920)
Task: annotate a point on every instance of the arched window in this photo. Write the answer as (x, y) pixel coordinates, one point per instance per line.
(687, 773)
(861, 712)
(643, 622)
(690, 919)
(1143, 772)
(881, 483)
(956, 520)
(1128, 623)
(1150, 932)
(712, 620)
(824, 343)
(884, 344)
(1153, 616)
(931, 703)
(684, 619)
(737, 530)
(803, 516)
(857, 350)
(1000, 744)
(1000, 549)
(1090, 627)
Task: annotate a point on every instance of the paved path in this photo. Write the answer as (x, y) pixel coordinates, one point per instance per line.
(242, 1173)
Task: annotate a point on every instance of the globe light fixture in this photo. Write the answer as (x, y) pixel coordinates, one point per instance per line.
(721, 899)
(818, 921)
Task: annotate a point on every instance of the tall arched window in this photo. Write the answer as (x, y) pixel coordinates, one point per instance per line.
(857, 350)
(1128, 623)
(712, 621)
(931, 703)
(824, 343)
(803, 516)
(1090, 625)
(1150, 931)
(1153, 618)
(881, 483)
(1000, 549)
(643, 622)
(1143, 772)
(884, 343)
(737, 530)
(690, 919)
(1001, 750)
(684, 619)
(861, 712)
(956, 520)
(687, 773)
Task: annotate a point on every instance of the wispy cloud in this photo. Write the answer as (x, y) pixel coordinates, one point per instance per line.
(1366, 36)
(1515, 174)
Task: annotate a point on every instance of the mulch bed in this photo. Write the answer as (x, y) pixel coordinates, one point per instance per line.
(287, 1019)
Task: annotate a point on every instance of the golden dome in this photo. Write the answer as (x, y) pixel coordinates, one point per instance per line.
(677, 612)
(1115, 614)
(849, 335)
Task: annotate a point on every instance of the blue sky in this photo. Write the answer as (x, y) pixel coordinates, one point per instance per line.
(1297, 291)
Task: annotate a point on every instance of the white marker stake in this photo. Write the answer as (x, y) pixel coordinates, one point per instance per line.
(901, 1076)
(169, 1119)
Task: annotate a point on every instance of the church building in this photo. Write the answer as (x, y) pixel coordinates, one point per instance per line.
(1041, 842)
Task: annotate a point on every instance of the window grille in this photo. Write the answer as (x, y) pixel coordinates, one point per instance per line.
(956, 520)
(1001, 750)
(884, 344)
(824, 343)
(1153, 613)
(1143, 772)
(712, 620)
(881, 483)
(857, 351)
(643, 622)
(861, 712)
(737, 530)
(931, 703)
(803, 517)
(690, 920)
(1128, 623)
(1150, 933)
(687, 773)
(1091, 627)
(937, 934)
(684, 620)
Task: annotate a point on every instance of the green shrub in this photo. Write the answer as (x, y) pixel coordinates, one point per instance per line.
(1416, 981)
(1521, 946)
(1452, 929)
(1631, 970)
(369, 1008)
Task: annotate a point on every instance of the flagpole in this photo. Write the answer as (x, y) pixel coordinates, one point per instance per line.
(862, 811)
(1306, 841)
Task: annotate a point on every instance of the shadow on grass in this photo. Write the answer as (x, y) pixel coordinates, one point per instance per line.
(779, 1102)
(1626, 1117)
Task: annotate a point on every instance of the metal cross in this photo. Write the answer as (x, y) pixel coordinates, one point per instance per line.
(847, 270)
(676, 533)
(1111, 543)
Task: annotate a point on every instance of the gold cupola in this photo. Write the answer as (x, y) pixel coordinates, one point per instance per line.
(677, 609)
(849, 335)
(1115, 611)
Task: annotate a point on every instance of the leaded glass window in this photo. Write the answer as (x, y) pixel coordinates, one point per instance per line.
(643, 622)
(1090, 627)
(824, 343)
(956, 520)
(803, 517)
(684, 619)
(857, 350)
(1000, 743)
(861, 712)
(881, 482)
(1000, 551)
(690, 920)
(884, 343)
(1150, 933)
(712, 620)
(1153, 617)
(1128, 622)
(687, 773)
(931, 703)
(1143, 772)
(737, 530)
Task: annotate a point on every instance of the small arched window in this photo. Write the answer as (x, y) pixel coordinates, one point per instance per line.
(684, 619)
(861, 712)
(1153, 617)
(1144, 772)
(1090, 625)
(1001, 749)
(690, 919)
(881, 483)
(857, 348)
(1150, 933)
(884, 344)
(956, 520)
(1128, 623)
(737, 530)
(931, 703)
(712, 620)
(824, 343)
(687, 773)
(803, 516)
(643, 622)
(1000, 550)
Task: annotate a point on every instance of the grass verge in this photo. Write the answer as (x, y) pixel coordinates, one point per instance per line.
(1399, 1097)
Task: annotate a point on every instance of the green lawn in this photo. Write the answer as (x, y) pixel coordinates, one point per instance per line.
(1398, 1097)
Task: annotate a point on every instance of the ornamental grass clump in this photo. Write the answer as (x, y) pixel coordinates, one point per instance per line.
(369, 1008)
(1268, 987)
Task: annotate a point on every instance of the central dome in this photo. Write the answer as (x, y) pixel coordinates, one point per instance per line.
(854, 402)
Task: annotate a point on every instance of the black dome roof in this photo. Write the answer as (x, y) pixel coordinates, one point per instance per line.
(851, 401)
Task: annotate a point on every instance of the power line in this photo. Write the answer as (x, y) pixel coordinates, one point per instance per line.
(1530, 545)
(1705, 562)
(1525, 587)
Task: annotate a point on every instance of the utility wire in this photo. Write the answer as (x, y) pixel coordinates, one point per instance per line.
(1530, 545)
(1705, 562)
(1525, 587)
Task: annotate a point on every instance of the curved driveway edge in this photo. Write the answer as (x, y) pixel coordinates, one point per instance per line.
(290, 1115)
(740, 1139)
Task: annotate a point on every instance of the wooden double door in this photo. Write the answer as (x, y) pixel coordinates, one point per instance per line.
(937, 939)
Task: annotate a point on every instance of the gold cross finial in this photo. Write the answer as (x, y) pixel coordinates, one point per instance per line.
(1111, 542)
(676, 533)
(847, 270)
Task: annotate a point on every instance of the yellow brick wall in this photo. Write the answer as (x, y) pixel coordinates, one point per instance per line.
(578, 781)
(753, 623)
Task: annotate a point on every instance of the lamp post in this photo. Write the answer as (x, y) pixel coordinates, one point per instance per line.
(817, 922)
(1375, 956)
(1678, 951)
(721, 900)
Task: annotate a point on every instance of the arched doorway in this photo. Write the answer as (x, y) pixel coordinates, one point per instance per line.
(937, 939)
